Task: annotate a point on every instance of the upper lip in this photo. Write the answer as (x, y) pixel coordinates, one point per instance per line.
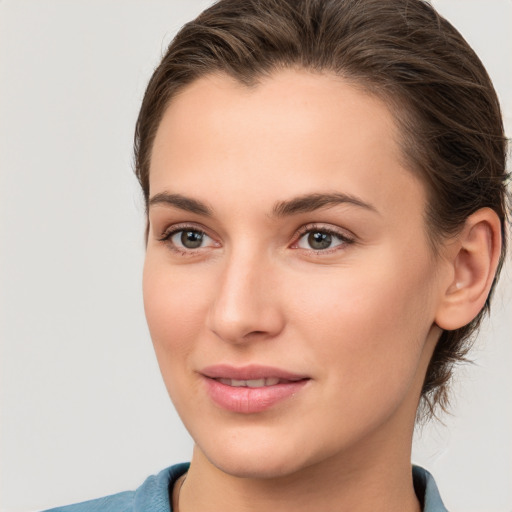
(249, 372)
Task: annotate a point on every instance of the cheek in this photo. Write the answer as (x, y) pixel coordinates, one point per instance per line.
(175, 304)
(370, 322)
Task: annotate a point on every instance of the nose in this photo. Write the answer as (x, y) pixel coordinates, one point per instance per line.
(246, 306)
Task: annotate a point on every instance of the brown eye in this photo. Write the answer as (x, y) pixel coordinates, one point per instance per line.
(191, 239)
(322, 239)
(318, 240)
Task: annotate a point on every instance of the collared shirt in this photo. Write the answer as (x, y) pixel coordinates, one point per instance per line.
(154, 494)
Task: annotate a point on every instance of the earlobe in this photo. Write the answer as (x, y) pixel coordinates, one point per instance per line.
(473, 257)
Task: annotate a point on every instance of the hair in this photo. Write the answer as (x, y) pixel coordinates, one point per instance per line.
(401, 51)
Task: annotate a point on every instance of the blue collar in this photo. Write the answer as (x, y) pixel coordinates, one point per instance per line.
(427, 491)
(154, 494)
(424, 486)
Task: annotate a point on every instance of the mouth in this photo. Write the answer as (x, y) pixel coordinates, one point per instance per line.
(251, 373)
(251, 383)
(250, 389)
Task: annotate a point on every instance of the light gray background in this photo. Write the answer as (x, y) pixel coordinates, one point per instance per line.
(83, 410)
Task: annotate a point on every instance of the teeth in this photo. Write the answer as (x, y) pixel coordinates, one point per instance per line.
(238, 383)
(256, 383)
(251, 383)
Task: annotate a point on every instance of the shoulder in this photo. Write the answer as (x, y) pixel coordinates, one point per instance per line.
(427, 491)
(152, 495)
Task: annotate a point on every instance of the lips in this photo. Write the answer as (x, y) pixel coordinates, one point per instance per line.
(250, 389)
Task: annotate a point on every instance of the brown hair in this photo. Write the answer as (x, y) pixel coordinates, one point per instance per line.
(404, 52)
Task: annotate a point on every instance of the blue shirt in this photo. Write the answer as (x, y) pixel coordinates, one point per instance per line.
(154, 494)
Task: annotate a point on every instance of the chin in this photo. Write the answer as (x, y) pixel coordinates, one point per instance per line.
(257, 467)
(260, 457)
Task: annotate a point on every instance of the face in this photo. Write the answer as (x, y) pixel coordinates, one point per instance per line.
(288, 284)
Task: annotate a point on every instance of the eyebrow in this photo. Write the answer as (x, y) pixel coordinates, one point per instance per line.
(311, 202)
(183, 203)
(302, 204)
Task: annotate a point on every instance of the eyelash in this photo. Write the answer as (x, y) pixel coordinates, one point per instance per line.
(312, 228)
(304, 230)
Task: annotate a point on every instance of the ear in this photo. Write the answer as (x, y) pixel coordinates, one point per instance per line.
(473, 258)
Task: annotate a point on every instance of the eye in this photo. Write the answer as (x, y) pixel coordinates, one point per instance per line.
(321, 239)
(187, 238)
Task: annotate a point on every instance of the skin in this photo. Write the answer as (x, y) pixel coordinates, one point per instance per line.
(360, 318)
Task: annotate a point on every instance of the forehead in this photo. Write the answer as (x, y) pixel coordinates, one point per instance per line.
(294, 132)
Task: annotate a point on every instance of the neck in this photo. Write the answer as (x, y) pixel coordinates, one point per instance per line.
(335, 485)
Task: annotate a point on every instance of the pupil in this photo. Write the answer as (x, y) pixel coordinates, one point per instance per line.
(191, 239)
(318, 240)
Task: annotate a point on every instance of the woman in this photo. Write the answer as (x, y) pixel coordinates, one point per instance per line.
(325, 190)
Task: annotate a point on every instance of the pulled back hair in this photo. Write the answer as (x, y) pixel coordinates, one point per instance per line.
(403, 52)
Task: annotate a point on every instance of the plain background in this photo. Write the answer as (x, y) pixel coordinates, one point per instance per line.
(83, 410)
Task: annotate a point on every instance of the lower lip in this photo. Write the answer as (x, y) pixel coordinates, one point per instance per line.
(247, 400)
